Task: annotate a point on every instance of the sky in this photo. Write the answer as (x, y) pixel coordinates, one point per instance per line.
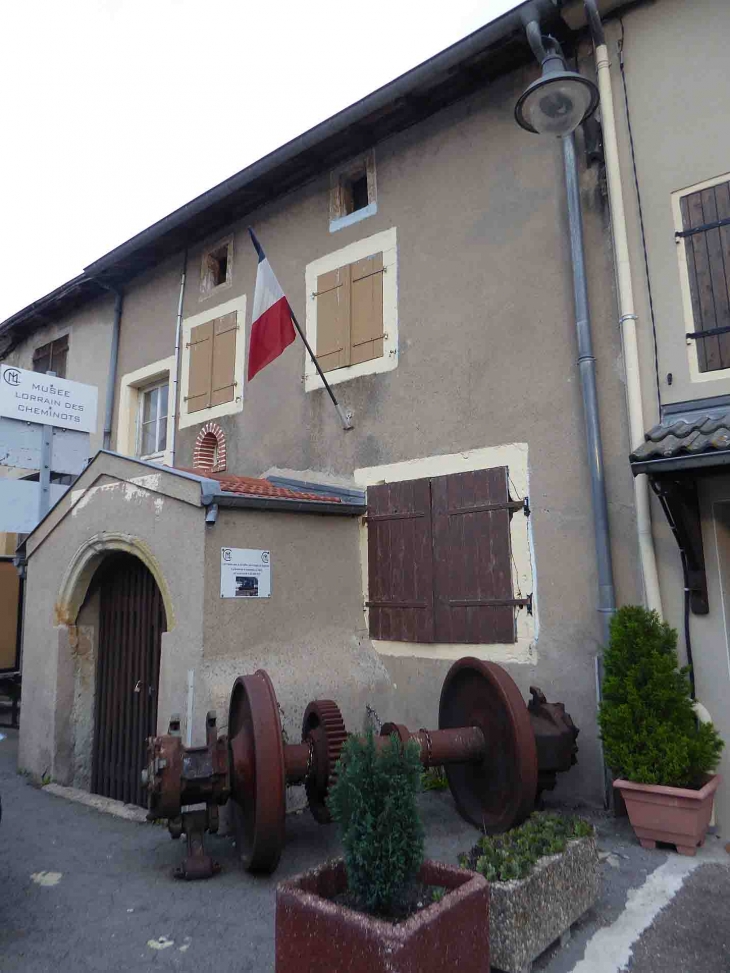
(116, 112)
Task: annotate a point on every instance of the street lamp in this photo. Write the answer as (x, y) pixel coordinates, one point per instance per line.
(558, 101)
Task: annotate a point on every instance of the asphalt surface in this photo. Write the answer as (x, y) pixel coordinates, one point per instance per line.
(82, 890)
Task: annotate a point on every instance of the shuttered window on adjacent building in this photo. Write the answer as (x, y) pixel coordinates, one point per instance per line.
(350, 314)
(211, 376)
(440, 560)
(706, 237)
(52, 357)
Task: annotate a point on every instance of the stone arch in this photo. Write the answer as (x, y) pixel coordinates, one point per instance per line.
(210, 449)
(83, 566)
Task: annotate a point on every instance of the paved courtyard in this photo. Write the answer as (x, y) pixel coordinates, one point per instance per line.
(82, 890)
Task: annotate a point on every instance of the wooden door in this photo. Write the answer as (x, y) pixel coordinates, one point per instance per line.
(131, 622)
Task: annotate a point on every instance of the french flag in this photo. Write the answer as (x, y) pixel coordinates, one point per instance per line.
(271, 330)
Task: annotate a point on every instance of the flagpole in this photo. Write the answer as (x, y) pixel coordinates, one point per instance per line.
(344, 416)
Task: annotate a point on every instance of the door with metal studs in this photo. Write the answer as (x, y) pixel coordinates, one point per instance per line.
(131, 623)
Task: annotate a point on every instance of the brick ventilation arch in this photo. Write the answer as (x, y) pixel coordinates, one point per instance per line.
(210, 449)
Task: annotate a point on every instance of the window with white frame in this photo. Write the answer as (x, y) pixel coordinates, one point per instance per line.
(152, 420)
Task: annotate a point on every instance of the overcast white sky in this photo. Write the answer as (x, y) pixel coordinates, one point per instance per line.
(116, 112)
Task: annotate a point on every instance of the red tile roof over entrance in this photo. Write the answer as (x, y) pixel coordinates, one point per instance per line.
(253, 486)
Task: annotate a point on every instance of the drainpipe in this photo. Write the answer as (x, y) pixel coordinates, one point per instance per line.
(627, 312)
(113, 357)
(587, 371)
(178, 341)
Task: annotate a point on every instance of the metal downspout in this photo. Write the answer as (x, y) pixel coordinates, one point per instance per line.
(113, 358)
(627, 311)
(178, 341)
(587, 369)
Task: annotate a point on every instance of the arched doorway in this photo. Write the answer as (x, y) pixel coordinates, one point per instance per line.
(131, 622)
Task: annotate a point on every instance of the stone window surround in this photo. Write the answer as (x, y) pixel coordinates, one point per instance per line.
(130, 388)
(524, 579)
(186, 420)
(338, 219)
(384, 242)
(206, 291)
(688, 322)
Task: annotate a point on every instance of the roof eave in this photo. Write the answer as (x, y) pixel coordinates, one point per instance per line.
(686, 463)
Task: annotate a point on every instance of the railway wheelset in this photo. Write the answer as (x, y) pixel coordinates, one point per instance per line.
(498, 754)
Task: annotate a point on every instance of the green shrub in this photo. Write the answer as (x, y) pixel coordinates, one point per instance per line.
(434, 779)
(373, 800)
(648, 726)
(502, 857)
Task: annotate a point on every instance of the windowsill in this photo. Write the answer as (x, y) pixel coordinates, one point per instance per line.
(360, 214)
(216, 291)
(312, 380)
(522, 652)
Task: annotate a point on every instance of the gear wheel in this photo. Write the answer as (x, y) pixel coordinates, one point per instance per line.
(324, 729)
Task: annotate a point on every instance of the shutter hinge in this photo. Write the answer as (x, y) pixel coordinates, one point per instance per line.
(492, 603)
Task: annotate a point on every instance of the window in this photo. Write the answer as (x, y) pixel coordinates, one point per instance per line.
(211, 373)
(216, 270)
(702, 218)
(52, 357)
(353, 192)
(352, 310)
(212, 366)
(350, 314)
(152, 421)
(440, 559)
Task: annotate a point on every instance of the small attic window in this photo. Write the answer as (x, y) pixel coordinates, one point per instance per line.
(216, 267)
(353, 192)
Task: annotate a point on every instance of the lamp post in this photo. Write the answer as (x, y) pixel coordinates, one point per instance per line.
(555, 105)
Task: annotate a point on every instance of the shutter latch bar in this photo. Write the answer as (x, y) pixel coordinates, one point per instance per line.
(680, 234)
(699, 335)
(492, 603)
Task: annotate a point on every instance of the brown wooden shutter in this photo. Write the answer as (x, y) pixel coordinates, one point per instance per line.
(400, 566)
(472, 558)
(366, 331)
(224, 359)
(200, 367)
(333, 319)
(708, 266)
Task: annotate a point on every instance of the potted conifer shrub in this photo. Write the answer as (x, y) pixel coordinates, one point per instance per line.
(662, 756)
(382, 907)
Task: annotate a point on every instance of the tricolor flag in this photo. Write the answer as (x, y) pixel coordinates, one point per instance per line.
(271, 330)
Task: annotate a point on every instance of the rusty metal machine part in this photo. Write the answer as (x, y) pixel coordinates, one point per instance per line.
(257, 771)
(177, 778)
(555, 737)
(323, 729)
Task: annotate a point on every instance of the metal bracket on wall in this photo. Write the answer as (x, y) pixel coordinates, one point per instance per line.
(681, 506)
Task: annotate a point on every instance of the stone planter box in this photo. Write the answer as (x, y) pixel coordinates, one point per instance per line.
(676, 815)
(527, 915)
(314, 934)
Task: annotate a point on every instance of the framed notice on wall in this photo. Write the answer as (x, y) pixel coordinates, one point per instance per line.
(245, 573)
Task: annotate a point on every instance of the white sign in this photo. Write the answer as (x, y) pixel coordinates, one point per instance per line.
(245, 573)
(35, 397)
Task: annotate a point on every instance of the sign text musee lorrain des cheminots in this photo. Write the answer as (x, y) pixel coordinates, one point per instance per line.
(35, 397)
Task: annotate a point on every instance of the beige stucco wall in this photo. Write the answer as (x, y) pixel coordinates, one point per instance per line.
(158, 517)
(310, 634)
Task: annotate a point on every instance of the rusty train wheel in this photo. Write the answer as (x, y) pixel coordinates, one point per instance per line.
(256, 756)
(498, 792)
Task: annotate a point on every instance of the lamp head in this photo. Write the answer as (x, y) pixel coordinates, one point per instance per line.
(558, 101)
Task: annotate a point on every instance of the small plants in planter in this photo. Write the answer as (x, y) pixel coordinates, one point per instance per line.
(662, 756)
(543, 876)
(381, 907)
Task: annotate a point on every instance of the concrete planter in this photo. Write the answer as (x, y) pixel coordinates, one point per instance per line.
(527, 915)
(676, 815)
(315, 934)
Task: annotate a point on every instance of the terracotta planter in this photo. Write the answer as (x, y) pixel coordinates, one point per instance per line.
(676, 815)
(315, 934)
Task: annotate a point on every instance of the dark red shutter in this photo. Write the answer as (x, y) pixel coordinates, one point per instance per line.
(472, 558)
(400, 562)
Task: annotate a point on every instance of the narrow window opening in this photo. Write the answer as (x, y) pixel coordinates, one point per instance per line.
(218, 263)
(354, 192)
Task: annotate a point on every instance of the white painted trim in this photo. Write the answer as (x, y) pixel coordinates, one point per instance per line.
(360, 214)
(130, 387)
(695, 375)
(237, 304)
(385, 243)
(514, 457)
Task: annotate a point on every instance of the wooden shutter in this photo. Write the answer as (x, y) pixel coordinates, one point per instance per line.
(472, 558)
(200, 367)
(707, 250)
(333, 319)
(400, 566)
(366, 330)
(52, 357)
(224, 359)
